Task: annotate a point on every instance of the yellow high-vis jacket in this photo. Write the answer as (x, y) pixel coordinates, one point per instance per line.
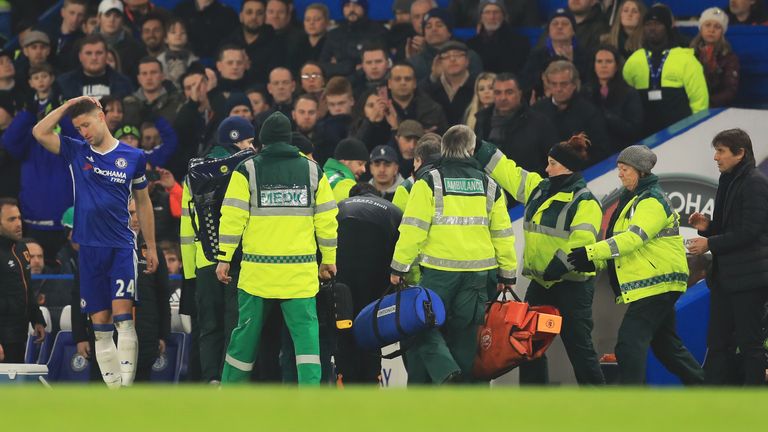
(557, 219)
(456, 220)
(645, 245)
(282, 207)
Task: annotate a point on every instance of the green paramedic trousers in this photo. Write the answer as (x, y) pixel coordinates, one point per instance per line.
(436, 354)
(301, 319)
(217, 317)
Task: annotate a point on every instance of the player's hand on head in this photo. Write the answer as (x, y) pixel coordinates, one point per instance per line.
(151, 261)
(82, 98)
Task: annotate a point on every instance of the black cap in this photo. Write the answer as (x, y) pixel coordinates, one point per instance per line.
(384, 153)
(351, 149)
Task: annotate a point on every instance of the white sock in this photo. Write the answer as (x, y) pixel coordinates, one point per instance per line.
(127, 349)
(106, 355)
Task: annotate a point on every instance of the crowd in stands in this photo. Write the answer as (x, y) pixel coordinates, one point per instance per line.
(618, 70)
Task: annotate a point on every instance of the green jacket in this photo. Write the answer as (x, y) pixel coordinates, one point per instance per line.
(644, 248)
(340, 177)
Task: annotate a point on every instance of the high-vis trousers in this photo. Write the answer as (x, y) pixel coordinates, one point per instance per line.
(301, 319)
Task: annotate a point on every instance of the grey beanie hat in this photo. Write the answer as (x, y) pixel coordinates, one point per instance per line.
(639, 157)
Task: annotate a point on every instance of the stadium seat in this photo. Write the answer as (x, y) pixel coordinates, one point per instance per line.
(169, 368)
(38, 353)
(65, 364)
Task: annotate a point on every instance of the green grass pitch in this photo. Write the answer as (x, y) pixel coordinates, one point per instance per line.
(259, 408)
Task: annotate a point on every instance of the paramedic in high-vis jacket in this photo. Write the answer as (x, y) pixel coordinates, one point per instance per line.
(648, 269)
(456, 227)
(281, 205)
(216, 302)
(561, 214)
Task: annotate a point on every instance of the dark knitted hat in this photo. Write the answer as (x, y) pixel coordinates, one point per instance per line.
(237, 99)
(565, 13)
(301, 142)
(660, 13)
(441, 14)
(567, 157)
(351, 149)
(234, 129)
(276, 129)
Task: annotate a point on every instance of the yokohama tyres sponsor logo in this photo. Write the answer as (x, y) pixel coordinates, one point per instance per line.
(114, 176)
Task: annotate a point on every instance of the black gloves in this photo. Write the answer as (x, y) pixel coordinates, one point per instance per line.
(578, 259)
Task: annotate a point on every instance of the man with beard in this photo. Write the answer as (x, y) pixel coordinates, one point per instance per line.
(153, 34)
(341, 53)
(304, 115)
(259, 40)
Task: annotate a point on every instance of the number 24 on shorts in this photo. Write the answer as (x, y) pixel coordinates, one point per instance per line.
(122, 289)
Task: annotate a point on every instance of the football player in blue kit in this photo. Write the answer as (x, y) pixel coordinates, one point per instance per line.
(107, 173)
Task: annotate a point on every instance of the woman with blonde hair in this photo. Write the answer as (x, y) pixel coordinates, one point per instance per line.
(721, 65)
(482, 99)
(626, 33)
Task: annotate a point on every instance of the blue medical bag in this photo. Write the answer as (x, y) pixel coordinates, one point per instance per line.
(397, 316)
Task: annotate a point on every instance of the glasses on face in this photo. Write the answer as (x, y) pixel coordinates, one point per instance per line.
(311, 76)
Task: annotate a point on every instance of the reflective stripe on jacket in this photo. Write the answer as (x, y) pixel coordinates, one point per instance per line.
(282, 207)
(456, 220)
(555, 222)
(646, 246)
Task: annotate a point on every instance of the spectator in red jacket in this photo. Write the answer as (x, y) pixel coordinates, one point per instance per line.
(721, 65)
